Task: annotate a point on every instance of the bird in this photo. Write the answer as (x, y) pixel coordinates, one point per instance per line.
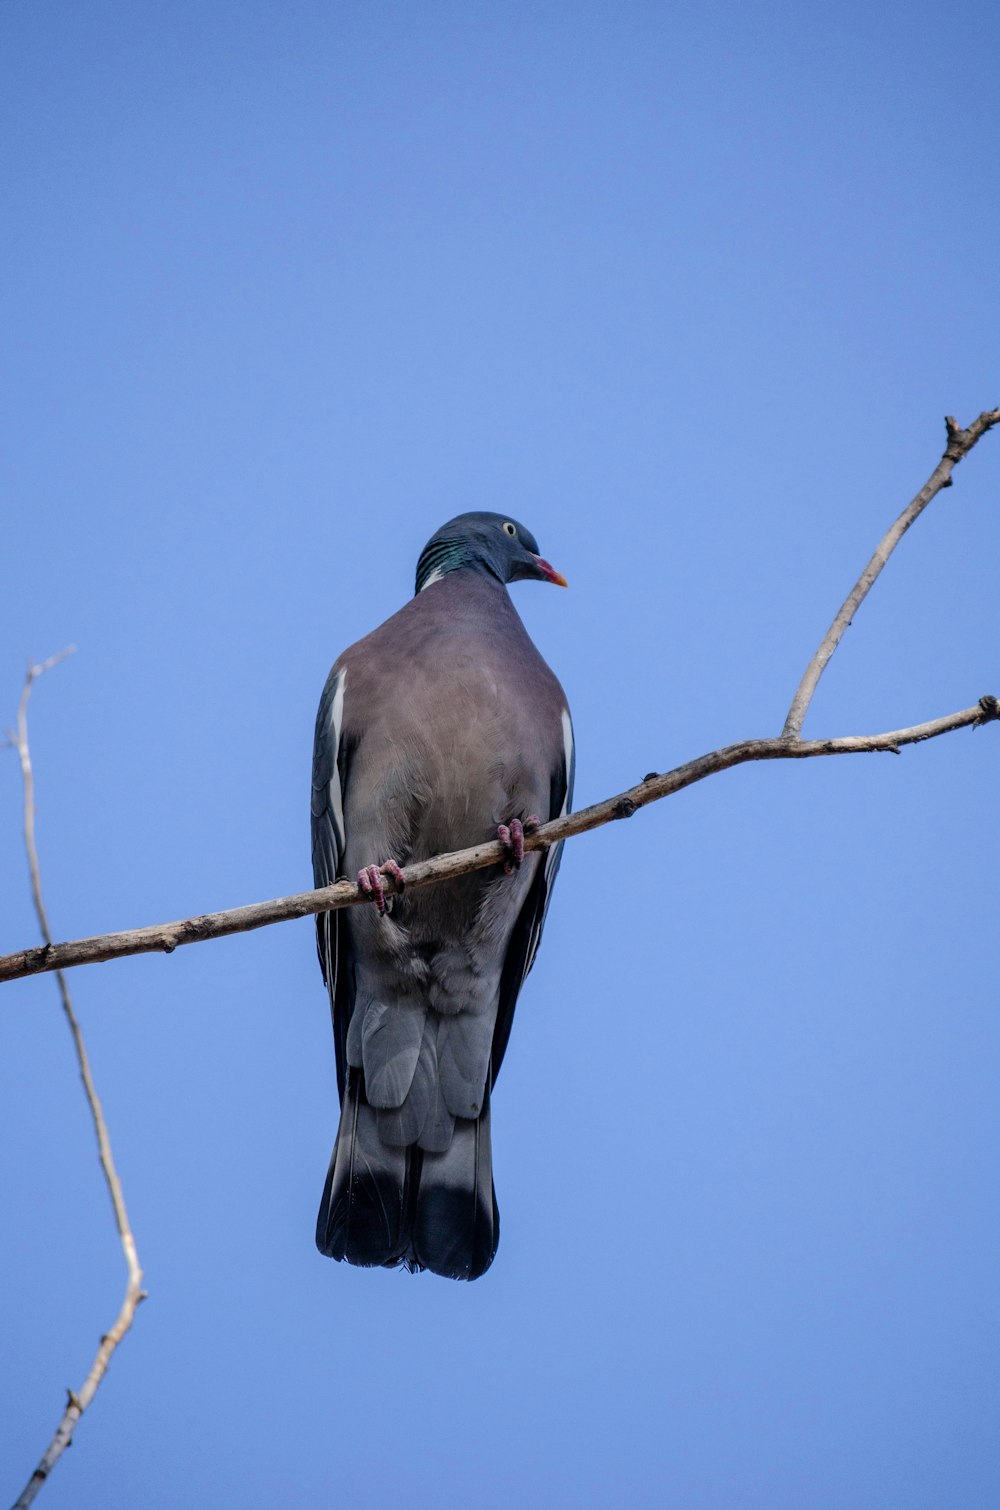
(441, 729)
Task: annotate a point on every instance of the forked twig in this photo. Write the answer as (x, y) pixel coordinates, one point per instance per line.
(77, 1401)
(960, 443)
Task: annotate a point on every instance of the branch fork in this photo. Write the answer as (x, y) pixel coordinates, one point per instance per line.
(960, 443)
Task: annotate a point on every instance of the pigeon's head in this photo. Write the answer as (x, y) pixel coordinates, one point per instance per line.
(492, 543)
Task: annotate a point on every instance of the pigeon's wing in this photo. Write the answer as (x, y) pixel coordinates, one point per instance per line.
(328, 781)
(527, 931)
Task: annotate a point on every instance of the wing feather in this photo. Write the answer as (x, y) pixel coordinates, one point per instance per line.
(328, 780)
(527, 932)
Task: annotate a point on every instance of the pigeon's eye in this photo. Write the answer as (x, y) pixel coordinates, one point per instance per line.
(509, 529)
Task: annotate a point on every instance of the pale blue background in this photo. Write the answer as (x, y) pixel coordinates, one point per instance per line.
(688, 288)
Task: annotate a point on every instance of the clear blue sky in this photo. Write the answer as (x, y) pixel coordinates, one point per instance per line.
(688, 288)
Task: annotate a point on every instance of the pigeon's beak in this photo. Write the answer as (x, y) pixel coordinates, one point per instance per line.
(549, 572)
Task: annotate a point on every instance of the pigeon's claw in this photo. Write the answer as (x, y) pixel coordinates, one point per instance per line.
(371, 885)
(511, 836)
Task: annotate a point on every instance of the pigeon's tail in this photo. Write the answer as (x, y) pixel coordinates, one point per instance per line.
(456, 1227)
(365, 1215)
(389, 1205)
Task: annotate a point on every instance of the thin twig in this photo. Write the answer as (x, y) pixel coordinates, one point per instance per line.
(960, 443)
(165, 937)
(77, 1401)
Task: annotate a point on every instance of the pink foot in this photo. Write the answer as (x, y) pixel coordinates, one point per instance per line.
(512, 838)
(370, 884)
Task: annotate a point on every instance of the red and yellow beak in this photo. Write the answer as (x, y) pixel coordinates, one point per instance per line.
(549, 573)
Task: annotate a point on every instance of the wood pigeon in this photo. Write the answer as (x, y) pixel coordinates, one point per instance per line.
(441, 729)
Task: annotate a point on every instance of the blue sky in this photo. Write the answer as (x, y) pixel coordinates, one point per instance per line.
(687, 289)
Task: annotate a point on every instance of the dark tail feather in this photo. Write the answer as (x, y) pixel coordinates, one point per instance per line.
(457, 1225)
(365, 1215)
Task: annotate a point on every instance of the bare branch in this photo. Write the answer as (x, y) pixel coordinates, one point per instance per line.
(165, 937)
(960, 443)
(77, 1402)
